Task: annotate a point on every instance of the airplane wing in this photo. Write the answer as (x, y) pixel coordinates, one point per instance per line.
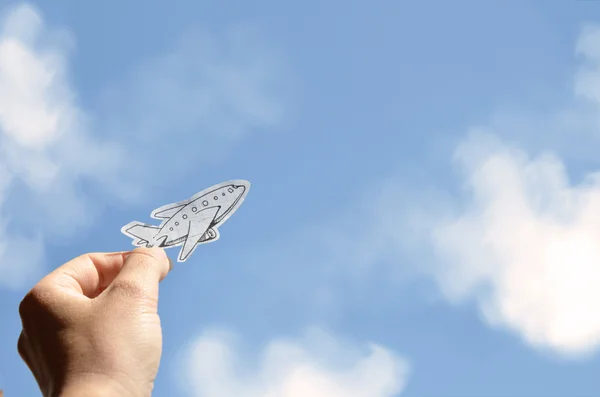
(141, 232)
(167, 211)
(197, 227)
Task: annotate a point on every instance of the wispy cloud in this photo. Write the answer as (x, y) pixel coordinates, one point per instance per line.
(181, 109)
(53, 153)
(316, 365)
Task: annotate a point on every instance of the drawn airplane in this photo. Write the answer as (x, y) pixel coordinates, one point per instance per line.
(190, 222)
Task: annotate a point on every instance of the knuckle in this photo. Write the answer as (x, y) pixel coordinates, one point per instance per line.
(34, 301)
(21, 345)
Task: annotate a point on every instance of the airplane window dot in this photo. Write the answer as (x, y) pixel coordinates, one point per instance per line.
(230, 190)
(205, 203)
(171, 229)
(176, 223)
(184, 216)
(194, 209)
(223, 194)
(216, 198)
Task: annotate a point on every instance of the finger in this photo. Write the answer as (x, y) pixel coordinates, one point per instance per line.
(22, 347)
(143, 269)
(87, 274)
(25, 351)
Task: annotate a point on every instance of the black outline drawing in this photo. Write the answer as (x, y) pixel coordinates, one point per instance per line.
(191, 222)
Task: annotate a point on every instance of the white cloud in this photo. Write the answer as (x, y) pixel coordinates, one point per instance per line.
(52, 156)
(315, 365)
(36, 116)
(526, 244)
(527, 247)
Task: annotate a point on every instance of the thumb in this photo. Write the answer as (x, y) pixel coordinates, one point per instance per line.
(143, 269)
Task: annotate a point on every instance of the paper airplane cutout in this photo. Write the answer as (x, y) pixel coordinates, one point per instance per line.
(190, 222)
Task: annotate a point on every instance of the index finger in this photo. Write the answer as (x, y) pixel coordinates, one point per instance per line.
(143, 269)
(87, 274)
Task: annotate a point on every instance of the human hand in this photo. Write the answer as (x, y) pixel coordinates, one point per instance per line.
(91, 327)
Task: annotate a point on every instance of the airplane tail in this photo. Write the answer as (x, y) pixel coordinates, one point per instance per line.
(142, 232)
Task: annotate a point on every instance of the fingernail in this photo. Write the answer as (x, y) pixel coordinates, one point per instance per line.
(170, 263)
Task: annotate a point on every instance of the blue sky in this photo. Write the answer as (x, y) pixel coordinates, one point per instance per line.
(425, 203)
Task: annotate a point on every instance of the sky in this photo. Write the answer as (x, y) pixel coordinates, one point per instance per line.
(424, 217)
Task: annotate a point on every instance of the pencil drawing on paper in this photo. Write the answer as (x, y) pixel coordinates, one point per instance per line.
(191, 222)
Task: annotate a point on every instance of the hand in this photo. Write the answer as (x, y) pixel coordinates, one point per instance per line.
(91, 327)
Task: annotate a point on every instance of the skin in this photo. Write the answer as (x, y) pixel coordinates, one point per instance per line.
(91, 327)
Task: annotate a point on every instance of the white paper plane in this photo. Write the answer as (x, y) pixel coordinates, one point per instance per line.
(190, 222)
